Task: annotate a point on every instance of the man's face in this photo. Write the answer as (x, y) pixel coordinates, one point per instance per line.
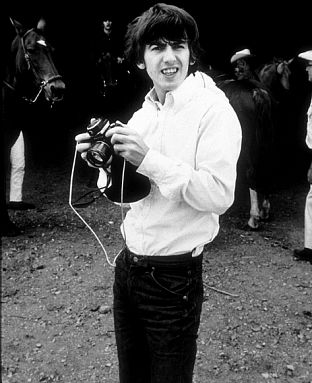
(309, 70)
(107, 24)
(241, 69)
(167, 65)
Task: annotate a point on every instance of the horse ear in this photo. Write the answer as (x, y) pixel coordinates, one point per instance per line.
(41, 24)
(18, 26)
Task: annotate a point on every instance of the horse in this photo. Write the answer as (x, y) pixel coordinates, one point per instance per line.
(31, 86)
(30, 74)
(254, 104)
(275, 75)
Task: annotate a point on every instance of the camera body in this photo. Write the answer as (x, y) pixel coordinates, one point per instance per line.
(101, 155)
(101, 152)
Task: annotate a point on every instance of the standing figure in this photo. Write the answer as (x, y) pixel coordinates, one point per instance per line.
(305, 254)
(244, 66)
(253, 105)
(109, 56)
(17, 174)
(186, 140)
(7, 227)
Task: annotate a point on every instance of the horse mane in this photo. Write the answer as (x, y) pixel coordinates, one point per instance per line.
(275, 76)
(17, 54)
(266, 73)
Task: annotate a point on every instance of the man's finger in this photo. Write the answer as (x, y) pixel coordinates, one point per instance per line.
(82, 137)
(82, 147)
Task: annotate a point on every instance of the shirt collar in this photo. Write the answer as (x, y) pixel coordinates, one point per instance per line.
(178, 97)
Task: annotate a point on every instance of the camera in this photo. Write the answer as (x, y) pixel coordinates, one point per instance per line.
(101, 155)
(101, 152)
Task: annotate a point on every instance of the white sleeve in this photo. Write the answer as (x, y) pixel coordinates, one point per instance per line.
(211, 185)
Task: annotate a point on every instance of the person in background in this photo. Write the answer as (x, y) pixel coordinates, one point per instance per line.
(305, 254)
(109, 56)
(7, 227)
(244, 66)
(17, 174)
(186, 140)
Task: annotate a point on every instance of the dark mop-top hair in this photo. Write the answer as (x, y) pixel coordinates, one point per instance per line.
(161, 22)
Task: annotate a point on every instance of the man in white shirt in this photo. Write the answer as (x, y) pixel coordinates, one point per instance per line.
(305, 254)
(186, 139)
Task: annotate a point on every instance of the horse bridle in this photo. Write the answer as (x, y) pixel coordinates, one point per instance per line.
(30, 66)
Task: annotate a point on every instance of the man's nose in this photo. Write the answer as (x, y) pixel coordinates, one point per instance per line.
(169, 54)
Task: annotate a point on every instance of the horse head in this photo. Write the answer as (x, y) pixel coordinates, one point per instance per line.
(276, 73)
(34, 67)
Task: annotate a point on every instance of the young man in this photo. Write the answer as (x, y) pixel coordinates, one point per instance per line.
(305, 254)
(186, 139)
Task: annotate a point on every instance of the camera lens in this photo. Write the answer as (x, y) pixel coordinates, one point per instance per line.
(99, 154)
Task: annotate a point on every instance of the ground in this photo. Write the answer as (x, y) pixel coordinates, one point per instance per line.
(57, 323)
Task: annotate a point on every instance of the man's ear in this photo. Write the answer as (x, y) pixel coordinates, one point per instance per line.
(141, 65)
(192, 60)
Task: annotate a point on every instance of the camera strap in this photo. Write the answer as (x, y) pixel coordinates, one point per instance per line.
(76, 204)
(94, 194)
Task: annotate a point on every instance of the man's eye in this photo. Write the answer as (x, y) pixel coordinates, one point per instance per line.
(178, 46)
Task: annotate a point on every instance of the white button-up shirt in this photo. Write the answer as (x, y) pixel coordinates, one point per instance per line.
(194, 140)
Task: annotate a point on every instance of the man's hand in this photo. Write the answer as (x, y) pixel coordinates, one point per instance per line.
(83, 142)
(83, 145)
(127, 143)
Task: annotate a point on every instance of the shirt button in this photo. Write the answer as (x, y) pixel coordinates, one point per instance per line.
(135, 259)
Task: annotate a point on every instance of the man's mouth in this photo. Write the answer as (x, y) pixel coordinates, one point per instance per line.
(169, 71)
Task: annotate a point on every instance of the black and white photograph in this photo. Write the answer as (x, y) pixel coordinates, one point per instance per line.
(156, 209)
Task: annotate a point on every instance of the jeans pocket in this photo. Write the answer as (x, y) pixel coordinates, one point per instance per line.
(173, 284)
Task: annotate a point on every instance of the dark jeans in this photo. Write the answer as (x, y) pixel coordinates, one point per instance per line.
(157, 307)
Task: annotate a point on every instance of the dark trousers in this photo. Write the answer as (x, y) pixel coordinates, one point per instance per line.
(157, 307)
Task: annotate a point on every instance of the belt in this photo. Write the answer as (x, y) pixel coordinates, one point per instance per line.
(163, 259)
